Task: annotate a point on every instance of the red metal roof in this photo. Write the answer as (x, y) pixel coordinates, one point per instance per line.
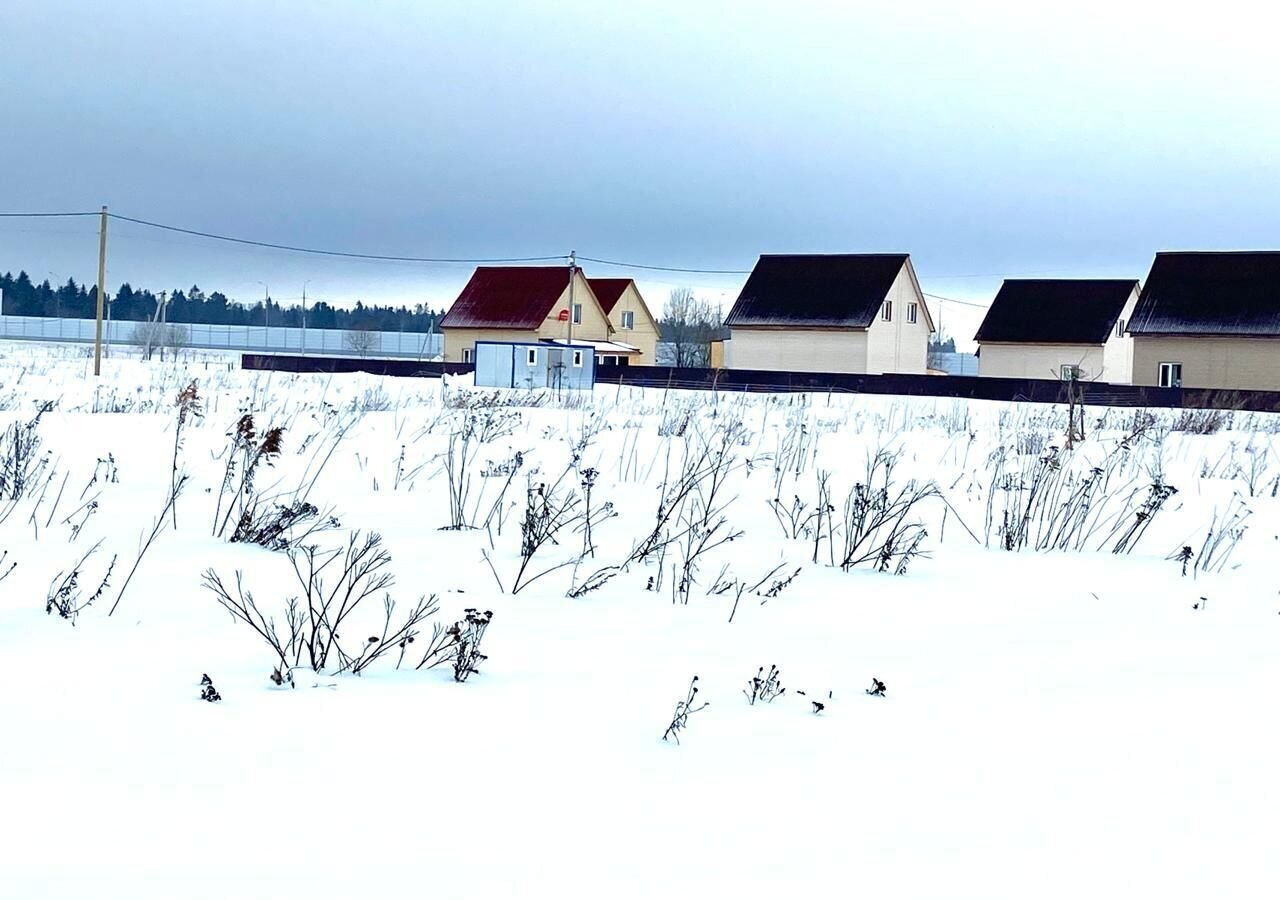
(515, 297)
(608, 290)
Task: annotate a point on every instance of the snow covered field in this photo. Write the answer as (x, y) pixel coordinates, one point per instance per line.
(1068, 717)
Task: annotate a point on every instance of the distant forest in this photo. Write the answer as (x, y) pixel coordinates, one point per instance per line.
(22, 297)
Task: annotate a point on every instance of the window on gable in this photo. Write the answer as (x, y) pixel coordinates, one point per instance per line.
(533, 356)
(1170, 374)
(1119, 327)
(628, 320)
(577, 314)
(886, 311)
(913, 310)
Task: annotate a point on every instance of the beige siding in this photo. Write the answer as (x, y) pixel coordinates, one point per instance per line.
(898, 345)
(1117, 355)
(1040, 360)
(455, 339)
(1231, 363)
(645, 334)
(595, 326)
(797, 349)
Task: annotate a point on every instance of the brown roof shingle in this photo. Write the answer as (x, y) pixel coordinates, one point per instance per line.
(608, 291)
(514, 297)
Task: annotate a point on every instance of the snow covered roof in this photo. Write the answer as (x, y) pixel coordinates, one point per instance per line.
(514, 297)
(1055, 310)
(610, 347)
(1231, 293)
(816, 290)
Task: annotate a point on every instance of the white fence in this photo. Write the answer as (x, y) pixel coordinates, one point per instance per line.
(251, 338)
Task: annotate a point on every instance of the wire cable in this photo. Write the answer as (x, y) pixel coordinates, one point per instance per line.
(45, 215)
(627, 265)
(953, 300)
(339, 253)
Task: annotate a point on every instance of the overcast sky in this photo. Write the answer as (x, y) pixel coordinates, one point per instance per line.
(986, 139)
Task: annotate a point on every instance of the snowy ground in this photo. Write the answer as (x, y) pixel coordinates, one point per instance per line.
(1058, 723)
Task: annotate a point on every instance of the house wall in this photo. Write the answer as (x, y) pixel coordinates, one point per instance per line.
(1042, 361)
(645, 334)
(898, 345)
(1232, 363)
(455, 339)
(1117, 353)
(595, 326)
(797, 349)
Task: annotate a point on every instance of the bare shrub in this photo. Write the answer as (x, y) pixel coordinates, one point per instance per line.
(309, 632)
(764, 686)
(684, 709)
(66, 593)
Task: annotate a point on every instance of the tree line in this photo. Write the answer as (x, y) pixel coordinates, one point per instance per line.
(24, 297)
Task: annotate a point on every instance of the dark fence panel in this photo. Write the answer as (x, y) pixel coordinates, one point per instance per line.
(1026, 390)
(400, 368)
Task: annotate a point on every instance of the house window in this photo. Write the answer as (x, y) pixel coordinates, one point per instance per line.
(577, 359)
(467, 354)
(913, 310)
(1119, 327)
(1170, 374)
(628, 320)
(533, 356)
(577, 314)
(1071, 373)
(886, 311)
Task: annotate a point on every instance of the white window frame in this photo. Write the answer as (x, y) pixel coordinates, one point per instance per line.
(628, 320)
(1070, 372)
(1164, 374)
(886, 311)
(1119, 327)
(531, 358)
(577, 314)
(468, 355)
(577, 359)
(913, 312)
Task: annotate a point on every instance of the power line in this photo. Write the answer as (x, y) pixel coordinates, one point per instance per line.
(340, 253)
(44, 215)
(954, 300)
(626, 265)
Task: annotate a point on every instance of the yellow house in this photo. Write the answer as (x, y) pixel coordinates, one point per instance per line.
(859, 313)
(1209, 320)
(1067, 328)
(527, 303)
(632, 322)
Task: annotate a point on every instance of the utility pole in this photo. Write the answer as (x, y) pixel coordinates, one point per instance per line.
(102, 291)
(573, 265)
(303, 345)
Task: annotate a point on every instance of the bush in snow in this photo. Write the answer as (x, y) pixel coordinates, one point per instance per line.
(334, 585)
(66, 593)
(684, 709)
(208, 692)
(765, 686)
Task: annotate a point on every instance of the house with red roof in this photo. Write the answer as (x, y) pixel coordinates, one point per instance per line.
(524, 304)
(632, 322)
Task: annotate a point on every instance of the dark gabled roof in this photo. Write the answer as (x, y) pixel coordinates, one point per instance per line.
(608, 291)
(1055, 310)
(817, 291)
(1211, 293)
(515, 297)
